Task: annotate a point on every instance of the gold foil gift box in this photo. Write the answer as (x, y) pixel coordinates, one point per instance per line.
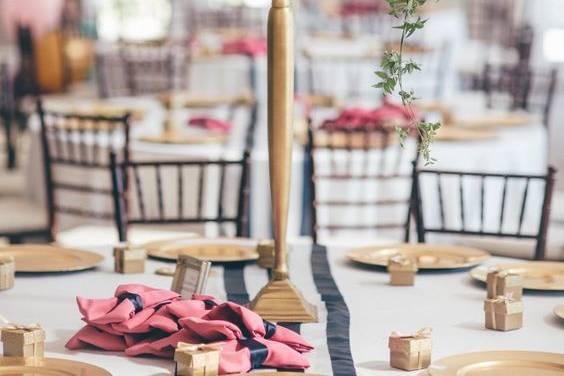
(196, 360)
(7, 272)
(23, 341)
(503, 283)
(402, 270)
(411, 352)
(503, 313)
(129, 259)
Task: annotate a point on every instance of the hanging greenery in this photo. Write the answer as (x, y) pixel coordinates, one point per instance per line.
(394, 67)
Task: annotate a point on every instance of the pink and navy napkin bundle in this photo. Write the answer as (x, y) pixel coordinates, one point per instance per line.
(362, 118)
(248, 45)
(141, 320)
(211, 124)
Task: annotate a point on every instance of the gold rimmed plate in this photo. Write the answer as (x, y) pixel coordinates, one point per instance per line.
(428, 256)
(537, 275)
(185, 139)
(214, 250)
(559, 311)
(495, 120)
(500, 363)
(48, 367)
(31, 258)
(449, 133)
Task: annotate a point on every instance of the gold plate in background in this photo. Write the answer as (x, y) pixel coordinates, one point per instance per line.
(184, 139)
(500, 363)
(450, 133)
(559, 312)
(48, 367)
(497, 120)
(214, 250)
(32, 258)
(158, 244)
(537, 275)
(428, 256)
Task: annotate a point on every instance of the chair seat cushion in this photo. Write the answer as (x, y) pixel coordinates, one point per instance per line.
(18, 215)
(102, 236)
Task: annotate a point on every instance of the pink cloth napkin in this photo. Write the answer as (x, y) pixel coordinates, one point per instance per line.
(141, 320)
(363, 118)
(250, 46)
(40, 15)
(211, 124)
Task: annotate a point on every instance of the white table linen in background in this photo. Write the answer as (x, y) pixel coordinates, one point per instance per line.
(450, 303)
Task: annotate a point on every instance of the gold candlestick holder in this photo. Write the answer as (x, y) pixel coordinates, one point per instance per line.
(280, 300)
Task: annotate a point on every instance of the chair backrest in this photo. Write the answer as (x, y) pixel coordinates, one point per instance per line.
(7, 108)
(181, 192)
(362, 178)
(493, 22)
(77, 144)
(141, 69)
(242, 18)
(521, 87)
(463, 204)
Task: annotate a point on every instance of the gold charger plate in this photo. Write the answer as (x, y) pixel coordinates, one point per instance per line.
(491, 121)
(183, 139)
(158, 244)
(500, 363)
(537, 275)
(428, 256)
(48, 367)
(32, 258)
(450, 133)
(559, 312)
(214, 250)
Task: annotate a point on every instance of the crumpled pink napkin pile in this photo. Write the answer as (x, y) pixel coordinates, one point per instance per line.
(212, 124)
(141, 320)
(248, 45)
(362, 118)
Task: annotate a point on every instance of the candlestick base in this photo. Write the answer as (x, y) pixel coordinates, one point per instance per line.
(281, 301)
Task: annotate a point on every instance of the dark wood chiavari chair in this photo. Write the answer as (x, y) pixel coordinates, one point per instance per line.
(235, 18)
(141, 69)
(493, 22)
(7, 112)
(136, 210)
(386, 169)
(521, 87)
(478, 228)
(77, 143)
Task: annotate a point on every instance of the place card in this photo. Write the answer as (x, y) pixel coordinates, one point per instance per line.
(7, 272)
(191, 276)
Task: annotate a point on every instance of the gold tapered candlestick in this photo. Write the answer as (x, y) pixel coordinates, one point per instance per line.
(280, 300)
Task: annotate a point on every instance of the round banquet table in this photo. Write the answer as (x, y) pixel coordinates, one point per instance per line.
(357, 309)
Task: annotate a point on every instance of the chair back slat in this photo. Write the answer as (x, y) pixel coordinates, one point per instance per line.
(159, 174)
(362, 157)
(66, 140)
(537, 231)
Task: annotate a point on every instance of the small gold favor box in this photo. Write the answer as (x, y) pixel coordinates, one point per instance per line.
(129, 259)
(196, 360)
(7, 272)
(23, 342)
(402, 271)
(501, 283)
(503, 314)
(410, 353)
(265, 249)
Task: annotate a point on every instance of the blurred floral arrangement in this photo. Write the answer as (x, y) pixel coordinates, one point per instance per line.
(394, 67)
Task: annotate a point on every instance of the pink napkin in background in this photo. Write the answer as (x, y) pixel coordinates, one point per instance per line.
(41, 16)
(363, 118)
(211, 124)
(141, 320)
(250, 46)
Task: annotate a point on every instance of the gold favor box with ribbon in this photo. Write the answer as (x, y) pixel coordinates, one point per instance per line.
(129, 259)
(265, 249)
(196, 360)
(7, 272)
(23, 341)
(411, 352)
(402, 271)
(502, 283)
(503, 313)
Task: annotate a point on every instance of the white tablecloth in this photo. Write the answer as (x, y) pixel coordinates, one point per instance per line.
(450, 303)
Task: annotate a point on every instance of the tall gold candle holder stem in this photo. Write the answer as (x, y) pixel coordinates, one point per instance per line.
(280, 300)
